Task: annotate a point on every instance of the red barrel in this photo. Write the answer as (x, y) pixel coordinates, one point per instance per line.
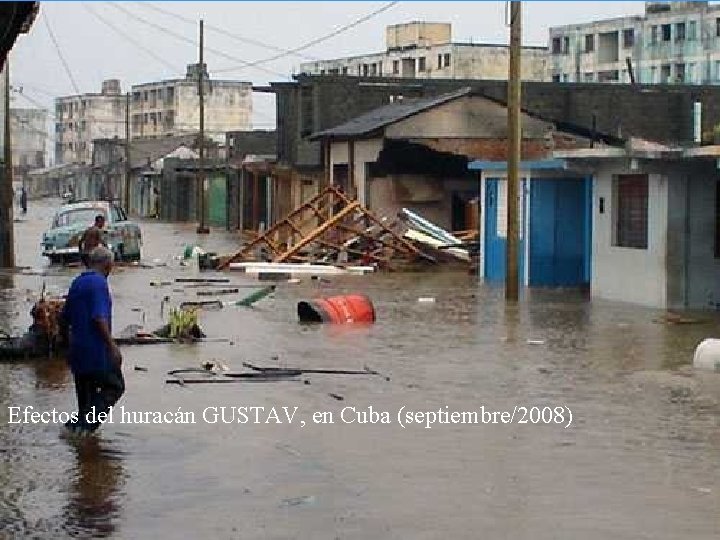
(348, 309)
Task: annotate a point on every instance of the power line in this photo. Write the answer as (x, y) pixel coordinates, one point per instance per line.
(192, 41)
(219, 30)
(131, 39)
(60, 54)
(318, 40)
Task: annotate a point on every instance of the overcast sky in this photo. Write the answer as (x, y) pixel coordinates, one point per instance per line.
(95, 51)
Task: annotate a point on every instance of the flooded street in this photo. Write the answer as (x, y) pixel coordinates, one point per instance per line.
(640, 459)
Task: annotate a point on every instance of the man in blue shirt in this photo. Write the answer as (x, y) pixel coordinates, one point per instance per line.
(94, 358)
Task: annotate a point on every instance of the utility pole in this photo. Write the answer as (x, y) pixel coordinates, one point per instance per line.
(202, 182)
(7, 237)
(127, 152)
(514, 150)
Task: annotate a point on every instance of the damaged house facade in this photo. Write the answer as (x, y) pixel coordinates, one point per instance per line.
(432, 147)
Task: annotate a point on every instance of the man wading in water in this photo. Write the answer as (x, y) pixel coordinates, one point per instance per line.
(91, 238)
(95, 360)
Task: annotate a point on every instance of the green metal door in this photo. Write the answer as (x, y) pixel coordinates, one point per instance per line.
(217, 194)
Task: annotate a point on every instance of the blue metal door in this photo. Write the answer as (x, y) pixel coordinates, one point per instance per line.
(496, 239)
(559, 235)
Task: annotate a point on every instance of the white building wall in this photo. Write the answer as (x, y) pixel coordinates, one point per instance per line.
(82, 119)
(697, 53)
(445, 61)
(626, 274)
(228, 107)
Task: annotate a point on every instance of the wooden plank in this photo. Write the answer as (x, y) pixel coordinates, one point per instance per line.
(317, 232)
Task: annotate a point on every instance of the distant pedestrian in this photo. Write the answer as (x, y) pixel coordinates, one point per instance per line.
(94, 358)
(91, 238)
(23, 200)
(156, 194)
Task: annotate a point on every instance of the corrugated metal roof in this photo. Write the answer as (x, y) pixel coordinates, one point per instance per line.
(386, 115)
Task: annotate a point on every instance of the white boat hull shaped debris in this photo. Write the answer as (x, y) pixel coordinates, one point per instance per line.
(707, 355)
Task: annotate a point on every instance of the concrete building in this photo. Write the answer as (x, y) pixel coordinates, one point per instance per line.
(655, 228)
(79, 120)
(172, 107)
(28, 131)
(425, 50)
(672, 43)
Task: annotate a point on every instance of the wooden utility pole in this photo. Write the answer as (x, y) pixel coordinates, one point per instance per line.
(514, 149)
(202, 182)
(127, 152)
(7, 237)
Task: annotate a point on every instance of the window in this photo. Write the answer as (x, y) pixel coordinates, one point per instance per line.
(439, 61)
(380, 64)
(556, 77)
(680, 31)
(365, 70)
(566, 77)
(628, 37)
(589, 43)
(373, 69)
(692, 30)
(653, 34)
(665, 73)
(589, 76)
(690, 74)
(666, 32)
(653, 74)
(556, 47)
(631, 205)
(717, 70)
(446, 59)
(717, 26)
(396, 67)
(566, 45)
(344, 70)
(421, 63)
(680, 73)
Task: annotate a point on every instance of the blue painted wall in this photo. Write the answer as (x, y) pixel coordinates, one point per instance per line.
(495, 262)
(560, 232)
(559, 235)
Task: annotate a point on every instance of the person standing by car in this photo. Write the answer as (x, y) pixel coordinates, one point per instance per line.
(91, 238)
(94, 358)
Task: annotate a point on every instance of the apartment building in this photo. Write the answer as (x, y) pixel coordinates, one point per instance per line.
(81, 119)
(172, 107)
(425, 50)
(672, 43)
(29, 134)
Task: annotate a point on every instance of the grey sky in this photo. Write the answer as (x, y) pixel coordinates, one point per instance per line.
(95, 52)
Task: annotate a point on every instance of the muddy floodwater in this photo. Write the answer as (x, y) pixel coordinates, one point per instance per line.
(640, 459)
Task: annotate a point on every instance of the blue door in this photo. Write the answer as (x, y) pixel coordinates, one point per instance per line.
(559, 234)
(496, 237)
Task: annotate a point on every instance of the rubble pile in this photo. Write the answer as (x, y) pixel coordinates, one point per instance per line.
(334, 230)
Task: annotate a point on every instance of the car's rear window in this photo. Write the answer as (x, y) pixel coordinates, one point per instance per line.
(79, 215)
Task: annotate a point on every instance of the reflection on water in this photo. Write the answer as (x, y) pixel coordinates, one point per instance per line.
(96, 482)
